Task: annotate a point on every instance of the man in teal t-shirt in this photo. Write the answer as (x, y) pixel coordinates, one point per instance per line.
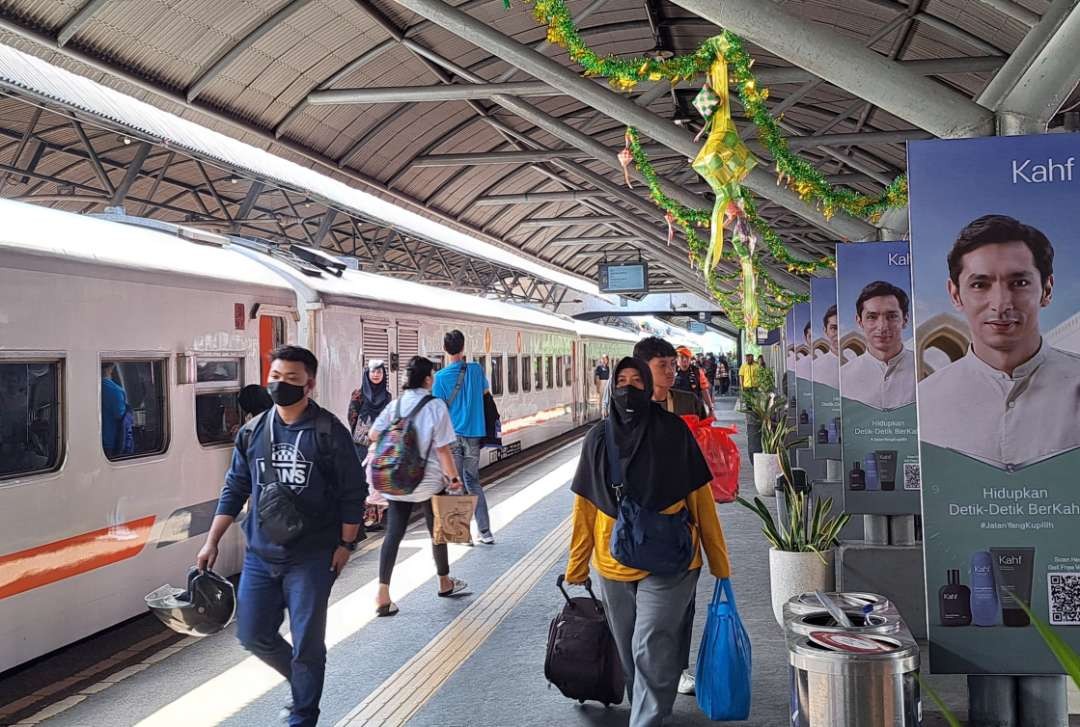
(462, 386)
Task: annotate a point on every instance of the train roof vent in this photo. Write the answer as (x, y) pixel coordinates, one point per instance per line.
(283, 254)
(319, 259)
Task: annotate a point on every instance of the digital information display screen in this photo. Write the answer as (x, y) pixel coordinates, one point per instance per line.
(624, 277)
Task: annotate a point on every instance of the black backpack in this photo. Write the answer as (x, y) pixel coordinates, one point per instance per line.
(582, 659)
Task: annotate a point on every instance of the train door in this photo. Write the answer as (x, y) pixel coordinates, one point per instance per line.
(408, 345)
(376, 344)
(272, 333)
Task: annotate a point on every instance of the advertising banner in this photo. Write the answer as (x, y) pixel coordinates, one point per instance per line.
(789, 357)
(804, 394)
(877, 379)
(825, 369)
(997, 341)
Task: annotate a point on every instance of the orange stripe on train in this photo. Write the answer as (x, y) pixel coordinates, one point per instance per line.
(52, 562)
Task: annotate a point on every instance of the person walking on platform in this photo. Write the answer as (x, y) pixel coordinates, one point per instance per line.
(299, 446)
(462, 386)
(663, 471)
(723, 377)
(434, 433)
(365, 405)
(690, 377)
(659, 356)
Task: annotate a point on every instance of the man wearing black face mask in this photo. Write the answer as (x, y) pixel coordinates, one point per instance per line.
(300, 446)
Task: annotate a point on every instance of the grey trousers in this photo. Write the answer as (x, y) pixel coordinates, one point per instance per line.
(647, 619)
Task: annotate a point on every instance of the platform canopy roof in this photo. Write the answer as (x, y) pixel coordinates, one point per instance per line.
(461, 112)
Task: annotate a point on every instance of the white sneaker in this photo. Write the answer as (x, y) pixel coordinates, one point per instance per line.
(487, 539)
(687, 682)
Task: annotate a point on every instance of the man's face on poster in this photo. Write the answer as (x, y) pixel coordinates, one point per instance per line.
(832, 332)
(882, 322)
(1000, 293)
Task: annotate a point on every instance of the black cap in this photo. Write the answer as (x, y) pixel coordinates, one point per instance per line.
(954, 577)
(856, 466)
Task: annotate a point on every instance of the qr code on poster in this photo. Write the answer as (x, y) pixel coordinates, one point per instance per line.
(912, 476)
(1064, 596)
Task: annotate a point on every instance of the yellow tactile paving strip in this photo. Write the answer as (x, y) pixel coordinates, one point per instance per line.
(406, 691)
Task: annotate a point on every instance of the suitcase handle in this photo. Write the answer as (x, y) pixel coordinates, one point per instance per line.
(588, 587)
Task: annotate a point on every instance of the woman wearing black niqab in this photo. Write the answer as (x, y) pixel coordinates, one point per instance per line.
(663, 471)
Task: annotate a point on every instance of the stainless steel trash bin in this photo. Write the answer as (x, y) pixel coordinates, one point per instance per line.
(857, 675)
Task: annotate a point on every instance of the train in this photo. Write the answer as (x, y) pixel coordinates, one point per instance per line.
(181, 320)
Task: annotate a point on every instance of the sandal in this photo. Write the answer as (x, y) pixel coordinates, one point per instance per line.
(459, 588)
(385, 610)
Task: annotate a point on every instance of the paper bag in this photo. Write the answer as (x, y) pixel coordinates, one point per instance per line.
(453, 513)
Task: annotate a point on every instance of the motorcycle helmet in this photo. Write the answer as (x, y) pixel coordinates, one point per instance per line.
(206, 607)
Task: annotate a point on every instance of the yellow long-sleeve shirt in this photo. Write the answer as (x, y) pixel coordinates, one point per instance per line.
(592, 536)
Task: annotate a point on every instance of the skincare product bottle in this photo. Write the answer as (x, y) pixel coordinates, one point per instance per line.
(886, 468)
(804, 417)
(856, 478)
(954, 601)
(1012, 573)
(870, 465)
(823, 435)
(984, 598)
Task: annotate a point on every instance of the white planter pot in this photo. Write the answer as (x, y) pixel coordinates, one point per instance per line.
(792, 574)
(766, 470)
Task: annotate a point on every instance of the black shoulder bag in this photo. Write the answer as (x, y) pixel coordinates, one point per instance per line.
(282, 518)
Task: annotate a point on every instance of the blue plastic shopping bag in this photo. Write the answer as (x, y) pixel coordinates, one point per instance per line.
(723, 665)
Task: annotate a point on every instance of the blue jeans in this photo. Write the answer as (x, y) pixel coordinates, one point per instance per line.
(302, 588)
(466, 451)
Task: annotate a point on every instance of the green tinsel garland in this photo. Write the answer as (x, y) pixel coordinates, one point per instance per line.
(624, 73)
(773, 300)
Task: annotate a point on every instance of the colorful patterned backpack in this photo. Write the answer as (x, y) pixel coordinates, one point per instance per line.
(398, 465)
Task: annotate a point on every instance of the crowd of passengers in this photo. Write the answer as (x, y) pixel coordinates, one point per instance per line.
(291, 439)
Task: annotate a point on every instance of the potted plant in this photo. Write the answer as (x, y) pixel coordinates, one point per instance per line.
(776, 438)
(802, 555)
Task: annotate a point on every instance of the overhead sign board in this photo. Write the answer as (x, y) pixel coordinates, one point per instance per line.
(696, 327)
(624, 277)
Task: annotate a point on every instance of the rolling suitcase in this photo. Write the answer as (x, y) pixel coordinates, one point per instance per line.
(582, 660)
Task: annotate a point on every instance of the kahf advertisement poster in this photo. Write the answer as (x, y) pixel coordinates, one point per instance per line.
(995, 260)
(804, 395)
(825, 368)
(789, 358)
(877, 379)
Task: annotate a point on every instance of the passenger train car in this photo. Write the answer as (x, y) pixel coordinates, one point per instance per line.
(181, 320)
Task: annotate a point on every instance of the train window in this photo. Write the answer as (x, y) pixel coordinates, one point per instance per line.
(538, 382)
(218, 415)
(496, 382)
(568, 367)
(30, 431)
(558, 371)
(482, 360)
(133, 408)
(512, 374)
(439, 361)
(526, 373)
(549, 371)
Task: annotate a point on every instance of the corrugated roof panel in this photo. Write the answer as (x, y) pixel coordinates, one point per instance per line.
(48, 14)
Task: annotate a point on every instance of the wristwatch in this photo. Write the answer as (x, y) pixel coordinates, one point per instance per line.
(349, 546)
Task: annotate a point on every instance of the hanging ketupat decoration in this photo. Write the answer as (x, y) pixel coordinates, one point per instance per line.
(723, 161)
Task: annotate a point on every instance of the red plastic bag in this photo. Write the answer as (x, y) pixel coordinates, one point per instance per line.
(720, 452)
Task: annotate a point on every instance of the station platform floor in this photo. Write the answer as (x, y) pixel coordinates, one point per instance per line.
(476, 661)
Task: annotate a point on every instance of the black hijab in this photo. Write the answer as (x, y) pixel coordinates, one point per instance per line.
(660, 458)
(375, 397)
